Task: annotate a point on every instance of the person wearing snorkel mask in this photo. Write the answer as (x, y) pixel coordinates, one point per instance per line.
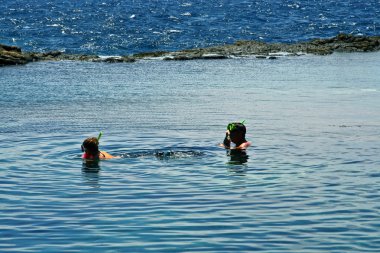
(236, 134)
(90, 147)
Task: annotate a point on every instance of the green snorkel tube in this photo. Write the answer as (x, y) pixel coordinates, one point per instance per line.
(100, 135)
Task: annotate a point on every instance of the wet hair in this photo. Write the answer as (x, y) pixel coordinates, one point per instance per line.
(237, 127)
(91, 145)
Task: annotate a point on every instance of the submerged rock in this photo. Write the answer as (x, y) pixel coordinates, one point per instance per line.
(118, 59)
(11, 55)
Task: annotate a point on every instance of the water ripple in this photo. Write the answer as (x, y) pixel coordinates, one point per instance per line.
(307, 184)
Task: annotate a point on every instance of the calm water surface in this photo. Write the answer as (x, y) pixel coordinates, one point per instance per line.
(310, 183)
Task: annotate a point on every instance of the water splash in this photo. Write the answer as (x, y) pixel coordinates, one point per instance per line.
(164, 154)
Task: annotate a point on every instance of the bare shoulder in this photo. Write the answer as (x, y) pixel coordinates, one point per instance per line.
(244, 145)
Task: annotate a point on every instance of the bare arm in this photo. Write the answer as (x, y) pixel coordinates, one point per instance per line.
(227, 141)
(105, 155)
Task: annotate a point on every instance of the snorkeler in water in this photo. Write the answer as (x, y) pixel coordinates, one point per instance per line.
(90, 147)
(236, 134)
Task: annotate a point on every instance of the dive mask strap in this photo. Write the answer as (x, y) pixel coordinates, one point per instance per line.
(99, 136)
(232, 126)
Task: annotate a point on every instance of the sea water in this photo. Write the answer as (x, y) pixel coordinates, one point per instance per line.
(116, 27)
(309, 183)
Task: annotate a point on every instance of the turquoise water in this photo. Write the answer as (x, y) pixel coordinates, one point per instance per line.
(310, 183)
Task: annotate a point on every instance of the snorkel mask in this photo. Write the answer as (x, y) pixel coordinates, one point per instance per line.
(99, 136)
(232, 126)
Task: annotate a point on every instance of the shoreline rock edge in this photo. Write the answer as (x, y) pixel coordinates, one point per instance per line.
(12, 55)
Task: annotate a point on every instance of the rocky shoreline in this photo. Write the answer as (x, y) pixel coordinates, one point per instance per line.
(11, 55)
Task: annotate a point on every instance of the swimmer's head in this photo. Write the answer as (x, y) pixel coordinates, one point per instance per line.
(91, 145)
(237, 127)
(237, 131)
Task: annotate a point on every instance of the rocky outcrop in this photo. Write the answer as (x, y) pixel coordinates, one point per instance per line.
(343, 43)
(10, 55)
(340, 43)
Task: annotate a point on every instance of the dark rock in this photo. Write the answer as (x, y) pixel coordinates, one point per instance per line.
(12, 56)
(34, 56)
(52, 54)
(128, 59)
(10, 48)
(150, 55)
(85, 57)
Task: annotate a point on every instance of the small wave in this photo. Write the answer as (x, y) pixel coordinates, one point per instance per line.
(103, 57)
(369, 90)
(353, 162)
(54, 25)
(173, 31)
(186, 4)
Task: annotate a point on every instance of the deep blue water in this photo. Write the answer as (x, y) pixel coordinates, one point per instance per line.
(124, 27)
(309, 183)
